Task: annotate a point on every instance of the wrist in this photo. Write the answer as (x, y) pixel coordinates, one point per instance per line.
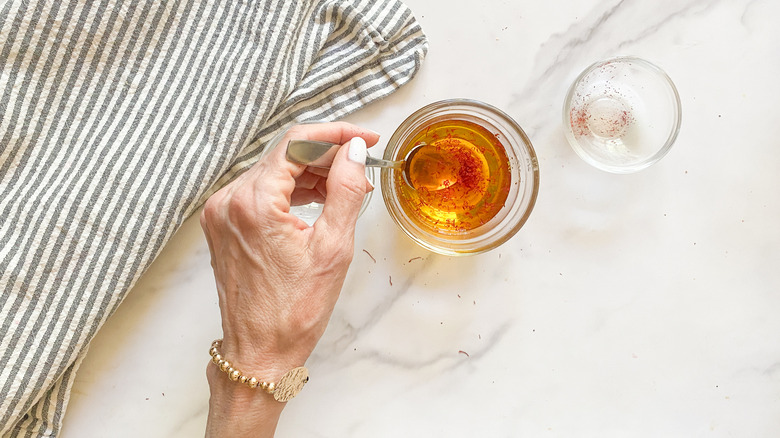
(238, 411)
(283, 389)
(262, 360)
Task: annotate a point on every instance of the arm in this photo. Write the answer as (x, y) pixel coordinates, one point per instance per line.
(278, 279)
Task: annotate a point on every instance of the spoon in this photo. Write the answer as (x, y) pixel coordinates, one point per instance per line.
(432, 170)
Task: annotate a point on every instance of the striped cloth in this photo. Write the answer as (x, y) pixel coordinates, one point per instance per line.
(119, 117)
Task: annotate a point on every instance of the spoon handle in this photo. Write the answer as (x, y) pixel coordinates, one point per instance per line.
(378, 162)
(321, 154)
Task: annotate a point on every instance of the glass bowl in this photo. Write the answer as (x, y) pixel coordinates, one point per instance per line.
(622, 115)
(311, 211)
(519, 163)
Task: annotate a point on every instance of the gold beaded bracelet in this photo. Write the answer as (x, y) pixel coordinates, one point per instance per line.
(288, 387)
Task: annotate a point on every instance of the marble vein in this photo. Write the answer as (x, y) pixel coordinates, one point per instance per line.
(448, 359)
(604, 33)
(350, 332)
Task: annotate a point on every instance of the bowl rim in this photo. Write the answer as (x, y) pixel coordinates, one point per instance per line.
(652, 159)
(508, 123)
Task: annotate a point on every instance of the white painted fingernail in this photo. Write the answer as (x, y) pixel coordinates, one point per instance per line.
(357, 150)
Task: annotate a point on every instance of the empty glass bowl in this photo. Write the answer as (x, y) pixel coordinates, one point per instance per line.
(622, 115)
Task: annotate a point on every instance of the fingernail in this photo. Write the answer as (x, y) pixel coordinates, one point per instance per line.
(370, 183)
(357, 150)
(374, 132)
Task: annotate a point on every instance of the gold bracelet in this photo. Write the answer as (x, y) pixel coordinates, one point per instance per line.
(288, 387)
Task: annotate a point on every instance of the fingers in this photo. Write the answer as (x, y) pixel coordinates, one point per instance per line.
(318, 171)
(308, 180)
(317, 193)
(335, 132)
(282, 183)
(346, 188)
(306, 196)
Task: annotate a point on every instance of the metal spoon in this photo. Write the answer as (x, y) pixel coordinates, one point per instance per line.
(321, 154)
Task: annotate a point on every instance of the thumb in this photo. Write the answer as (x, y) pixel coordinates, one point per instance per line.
(346, 187)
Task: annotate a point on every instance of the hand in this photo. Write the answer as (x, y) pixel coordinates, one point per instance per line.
(277, 278)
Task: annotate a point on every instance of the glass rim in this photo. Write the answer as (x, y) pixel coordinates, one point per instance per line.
(650, 160)
(518, 209)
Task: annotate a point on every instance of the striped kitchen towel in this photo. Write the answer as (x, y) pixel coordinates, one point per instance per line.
(119, 117)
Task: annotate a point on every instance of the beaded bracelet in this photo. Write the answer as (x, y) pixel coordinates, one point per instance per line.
(288, 387)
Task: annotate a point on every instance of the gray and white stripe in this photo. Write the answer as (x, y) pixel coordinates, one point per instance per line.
(118, 118)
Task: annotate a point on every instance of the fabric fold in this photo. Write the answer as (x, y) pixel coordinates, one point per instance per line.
(118, 118)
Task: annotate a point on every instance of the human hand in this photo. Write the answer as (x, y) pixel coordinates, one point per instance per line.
(277, 278)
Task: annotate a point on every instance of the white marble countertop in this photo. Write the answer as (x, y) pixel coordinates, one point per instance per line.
(643, 305)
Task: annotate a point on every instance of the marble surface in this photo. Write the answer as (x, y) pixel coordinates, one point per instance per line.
(641, 305)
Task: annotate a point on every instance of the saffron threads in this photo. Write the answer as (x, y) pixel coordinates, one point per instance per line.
(605, 124)
(474, 159)
(369, 254)
(602, 111)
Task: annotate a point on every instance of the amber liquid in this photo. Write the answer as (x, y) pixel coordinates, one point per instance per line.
(471, 156)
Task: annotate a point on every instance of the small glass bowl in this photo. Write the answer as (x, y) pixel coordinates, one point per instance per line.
(524, 174)
(311, 211)
(622, 115)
